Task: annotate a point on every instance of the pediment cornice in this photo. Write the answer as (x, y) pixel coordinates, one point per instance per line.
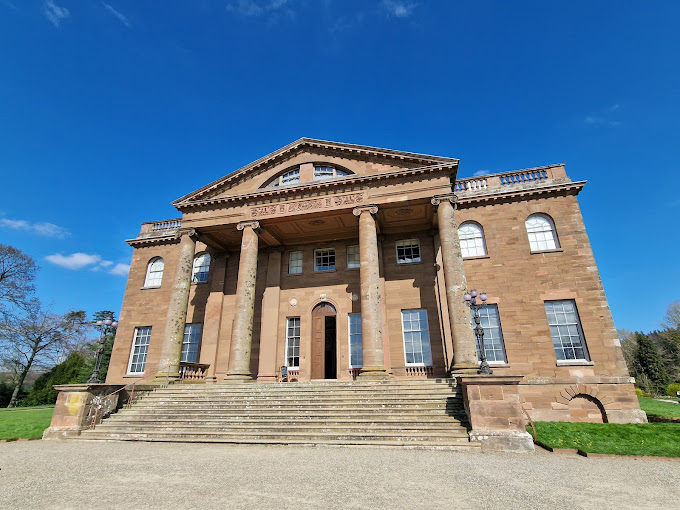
(318, 146)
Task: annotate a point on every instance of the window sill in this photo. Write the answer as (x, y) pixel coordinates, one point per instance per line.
(139, 375)
(353, 268)
(497, 364)
(326, 271)
(574, 363)
(477, 257)
(556, 250)
(409, 263)
(198, 283)
(294, 274)
(149, 288)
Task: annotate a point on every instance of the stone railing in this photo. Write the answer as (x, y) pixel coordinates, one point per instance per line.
(190, 372)
(509, 180)
(419, 372)
(159, 228)
(354, 373)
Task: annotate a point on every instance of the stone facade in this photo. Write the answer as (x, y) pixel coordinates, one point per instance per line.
(377, 207)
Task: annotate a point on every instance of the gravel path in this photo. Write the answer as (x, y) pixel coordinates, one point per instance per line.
(78, 475)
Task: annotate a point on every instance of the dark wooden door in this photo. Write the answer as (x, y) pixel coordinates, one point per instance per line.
(319, 315)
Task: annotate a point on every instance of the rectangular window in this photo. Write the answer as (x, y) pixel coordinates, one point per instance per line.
(565, 329)
(295, 262)
(293, 342)
(140, 347)
(416, 337)
(408, 250)
(353, 257)
(190, 343)
(494, 346)
(355, 345)
(324, 260)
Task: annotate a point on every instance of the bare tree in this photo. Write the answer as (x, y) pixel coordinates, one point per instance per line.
(34, 339)
(17, 272)
(672, 318)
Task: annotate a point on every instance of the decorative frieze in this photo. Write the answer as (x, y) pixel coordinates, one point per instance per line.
(307, 205)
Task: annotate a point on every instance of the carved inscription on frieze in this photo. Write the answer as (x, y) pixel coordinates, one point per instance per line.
(307, 205)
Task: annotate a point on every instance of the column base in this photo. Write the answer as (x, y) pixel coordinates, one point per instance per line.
(373, 373)
(464, 368)
(238, 378)
(266, 378)
(164, 377)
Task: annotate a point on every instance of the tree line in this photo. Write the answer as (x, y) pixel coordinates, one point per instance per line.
(35, 340)
(654, 358)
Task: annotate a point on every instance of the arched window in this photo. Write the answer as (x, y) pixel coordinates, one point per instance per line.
(541, 232)
(154, 272)
(201, 268)
(471, 238)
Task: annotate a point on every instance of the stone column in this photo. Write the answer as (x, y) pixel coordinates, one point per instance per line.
(242, 327)
(171, 350)
(270, 317)
(371, 307)
(460, 319)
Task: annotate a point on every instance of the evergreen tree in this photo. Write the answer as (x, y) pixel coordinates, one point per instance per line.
(648, 361)
(68, 372)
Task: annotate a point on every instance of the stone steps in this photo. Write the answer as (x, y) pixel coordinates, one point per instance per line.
(387, 413)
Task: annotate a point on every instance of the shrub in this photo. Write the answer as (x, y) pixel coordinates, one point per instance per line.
(672, 389)
(641, 393)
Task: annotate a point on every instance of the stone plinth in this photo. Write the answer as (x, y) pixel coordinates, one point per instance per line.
(492, 404)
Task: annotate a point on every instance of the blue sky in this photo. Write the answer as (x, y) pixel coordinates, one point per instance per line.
(110, 110)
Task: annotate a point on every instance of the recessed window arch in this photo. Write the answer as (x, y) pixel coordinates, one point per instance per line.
(291, 176)
(541, 231)
(201, 268)
(322, 172)
(154, 272)
(471, 236)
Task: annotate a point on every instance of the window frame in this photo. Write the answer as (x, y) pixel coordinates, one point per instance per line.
(355, 335)
(579, 329)
(426, 362)
(413, 260)
(147, 277)
(487, 331)
(324, 269)
(464, 242)
(297, 337)
(196, 340)
(534, 242)
(196, 270)
(135, 337)
(290, 261)
(354, 265)
(292, 175)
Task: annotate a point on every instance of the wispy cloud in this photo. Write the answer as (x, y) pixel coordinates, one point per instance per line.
(605, 118)
(480, 172)
(91, 261)
(9, 4)
(42, 229)
(54, 13)
(251, 8)
(398, 9)
(117, 14)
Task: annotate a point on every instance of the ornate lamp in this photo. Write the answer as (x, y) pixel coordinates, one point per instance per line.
(471, 299)
(105, 326)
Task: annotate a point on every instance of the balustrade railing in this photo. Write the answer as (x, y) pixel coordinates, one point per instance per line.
(473, 184)
(421, 372)
(502, 180)
(526, 176)
(166, 225)
(192, 372)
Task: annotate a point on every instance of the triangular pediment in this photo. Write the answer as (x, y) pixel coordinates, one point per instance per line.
(347, 160)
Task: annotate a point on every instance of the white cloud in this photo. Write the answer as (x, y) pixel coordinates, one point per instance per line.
(615, 107)
(591, 119)
(73, 261)
(120, 269)
(42, 229)
(481, 172)
(398, 9)
(54, 13)
(251, 8)
(119, 15)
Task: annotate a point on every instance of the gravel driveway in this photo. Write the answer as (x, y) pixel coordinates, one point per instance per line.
(79, 475)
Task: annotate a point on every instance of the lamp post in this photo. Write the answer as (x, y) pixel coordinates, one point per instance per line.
(471, 299)
(106, 325)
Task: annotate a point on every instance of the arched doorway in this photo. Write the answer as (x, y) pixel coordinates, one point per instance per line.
(324, 337)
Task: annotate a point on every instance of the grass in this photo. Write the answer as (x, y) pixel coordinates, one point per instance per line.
(24, 422)
(655, 439)
(655, 408)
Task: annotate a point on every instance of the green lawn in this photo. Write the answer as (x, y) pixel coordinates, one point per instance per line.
(24, 422)
(656, 439)
(655, 408)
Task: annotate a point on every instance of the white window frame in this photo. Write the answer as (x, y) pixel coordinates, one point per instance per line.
(406, 244)
(494, 344)
(318, 253)
(323, 172)
(423, 336)
(200, 271)
(541, 232)
(293, 322)
(355, 337)
(354, 252)
(295, 262)
(562, 327)
(149, 280)
(290, 177)
(192, 336)
(471, 238)
(143, 334)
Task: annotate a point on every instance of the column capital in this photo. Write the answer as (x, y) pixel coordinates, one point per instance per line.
(369, 208)
(191, 232)
(450, 197)
(254, 224)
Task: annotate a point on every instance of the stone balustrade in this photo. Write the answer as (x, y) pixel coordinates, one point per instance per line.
(519, 179)
(189, 372)
(159, 228)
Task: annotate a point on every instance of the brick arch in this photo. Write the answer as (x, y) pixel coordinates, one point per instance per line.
(584, 392)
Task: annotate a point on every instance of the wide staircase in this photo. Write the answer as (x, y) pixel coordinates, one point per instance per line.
(419, 413)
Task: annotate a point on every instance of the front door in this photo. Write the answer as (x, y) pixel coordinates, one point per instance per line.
(324, 359)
